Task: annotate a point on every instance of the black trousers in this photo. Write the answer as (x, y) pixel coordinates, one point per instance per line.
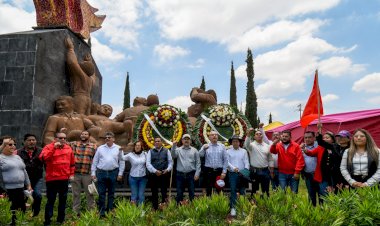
(53, 188)
(157, 182)
(16, 197)
(210, 178)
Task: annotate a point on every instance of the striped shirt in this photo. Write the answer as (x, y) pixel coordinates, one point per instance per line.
(215, 156)
(83, 154)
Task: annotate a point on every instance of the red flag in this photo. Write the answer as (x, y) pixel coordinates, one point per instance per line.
(314, 107)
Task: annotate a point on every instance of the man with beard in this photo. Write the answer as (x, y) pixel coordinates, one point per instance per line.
(84, 152)
(290, 161)
(29, 154)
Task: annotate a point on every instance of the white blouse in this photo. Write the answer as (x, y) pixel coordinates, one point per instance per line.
(138, 163)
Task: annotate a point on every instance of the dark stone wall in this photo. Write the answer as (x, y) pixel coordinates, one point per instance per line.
(33, 74)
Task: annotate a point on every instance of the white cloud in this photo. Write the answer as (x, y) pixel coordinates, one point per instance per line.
(182, 102)
(121, 25)
(275, 33)
(374, 100)
(197, 64)
(369, 84)
(224, 21)
(329, 98)
(285, 70)
(103, 53)
(14, 19)
(338, 66)
(168, 52)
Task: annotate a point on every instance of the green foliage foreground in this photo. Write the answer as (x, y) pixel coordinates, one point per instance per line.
(359, 207)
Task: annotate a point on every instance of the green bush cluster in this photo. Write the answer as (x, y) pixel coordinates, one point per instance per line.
(355, 207)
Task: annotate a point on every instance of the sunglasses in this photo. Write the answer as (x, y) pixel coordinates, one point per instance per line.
(61, 138)
(10, 145)
(108, 137)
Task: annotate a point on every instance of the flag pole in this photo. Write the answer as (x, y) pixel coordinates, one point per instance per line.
(319, 103)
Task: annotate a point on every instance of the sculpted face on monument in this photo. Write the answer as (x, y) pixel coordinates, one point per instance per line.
(67, 119)
(105, 110)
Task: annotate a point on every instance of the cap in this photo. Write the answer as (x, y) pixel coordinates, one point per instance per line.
(235, 137)
(186, 136)
(343, 133)
(219, 183)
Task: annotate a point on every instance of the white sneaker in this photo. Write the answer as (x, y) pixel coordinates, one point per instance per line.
(233, 212)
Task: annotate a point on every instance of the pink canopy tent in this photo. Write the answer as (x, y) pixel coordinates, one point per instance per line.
(368, 119)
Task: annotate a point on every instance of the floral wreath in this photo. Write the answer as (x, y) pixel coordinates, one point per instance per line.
(170, 122)
(226, 119)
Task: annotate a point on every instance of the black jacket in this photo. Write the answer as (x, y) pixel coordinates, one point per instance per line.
(34, 166)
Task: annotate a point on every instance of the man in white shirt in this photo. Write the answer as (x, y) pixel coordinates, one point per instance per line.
(261, 161)
(107, 167)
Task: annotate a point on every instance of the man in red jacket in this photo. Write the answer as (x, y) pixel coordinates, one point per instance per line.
(290, 161)
(58, 158)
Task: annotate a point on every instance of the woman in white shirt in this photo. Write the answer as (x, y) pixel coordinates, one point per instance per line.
(137, 176)
(360, 163)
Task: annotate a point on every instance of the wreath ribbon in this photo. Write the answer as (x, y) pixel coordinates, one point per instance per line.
(212, 126)
(151, 123)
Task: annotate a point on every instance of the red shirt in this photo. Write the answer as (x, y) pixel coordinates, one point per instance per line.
(290, 161)
(59, 162)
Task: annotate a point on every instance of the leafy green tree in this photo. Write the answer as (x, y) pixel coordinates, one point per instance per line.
(127, 94)
(251, 99)
(203, 84)
(233, 98)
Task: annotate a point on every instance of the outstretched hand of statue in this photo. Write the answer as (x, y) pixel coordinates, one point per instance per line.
(69, 43)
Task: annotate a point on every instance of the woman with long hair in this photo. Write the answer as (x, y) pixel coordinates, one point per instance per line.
(360, 163)
(137, 176)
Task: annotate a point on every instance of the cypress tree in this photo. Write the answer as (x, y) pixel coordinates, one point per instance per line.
(127, 94)
(203, 84)
(233, 98)
(258, 120)
(270, 117)
(251, 99)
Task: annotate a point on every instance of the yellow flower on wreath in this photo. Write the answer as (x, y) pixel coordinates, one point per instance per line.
(149, 140)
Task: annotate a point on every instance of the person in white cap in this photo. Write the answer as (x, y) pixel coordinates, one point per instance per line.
(188, 167)
(237, 159)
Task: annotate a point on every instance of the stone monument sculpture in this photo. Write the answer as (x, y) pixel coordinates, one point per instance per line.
(78, 15)
(203, 100)
(82, 78)
(140, 104)
(122, 130)
(66, 118)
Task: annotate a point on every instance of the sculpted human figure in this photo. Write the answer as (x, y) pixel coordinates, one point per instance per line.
(82, 78)
(140, 104)
(104, 123)
(203, 99)
(66, 118)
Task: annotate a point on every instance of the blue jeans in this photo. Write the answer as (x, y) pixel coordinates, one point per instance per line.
(53, 188)
(138, 185)
(312, 187)
(37, 196)
(287, 180)
(274, 181)
(323, 190)
(182, 180)
(106, 182)
(235, 186)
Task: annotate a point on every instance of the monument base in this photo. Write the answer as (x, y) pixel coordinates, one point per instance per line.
(33, 74)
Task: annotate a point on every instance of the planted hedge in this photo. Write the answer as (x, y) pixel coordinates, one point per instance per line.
(355, 207)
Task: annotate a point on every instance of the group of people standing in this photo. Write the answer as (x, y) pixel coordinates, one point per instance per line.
(327, 162)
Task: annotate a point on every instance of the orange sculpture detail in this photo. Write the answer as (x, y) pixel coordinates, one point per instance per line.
(78, 15)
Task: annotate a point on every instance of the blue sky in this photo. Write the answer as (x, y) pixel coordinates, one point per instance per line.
(168, 45)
